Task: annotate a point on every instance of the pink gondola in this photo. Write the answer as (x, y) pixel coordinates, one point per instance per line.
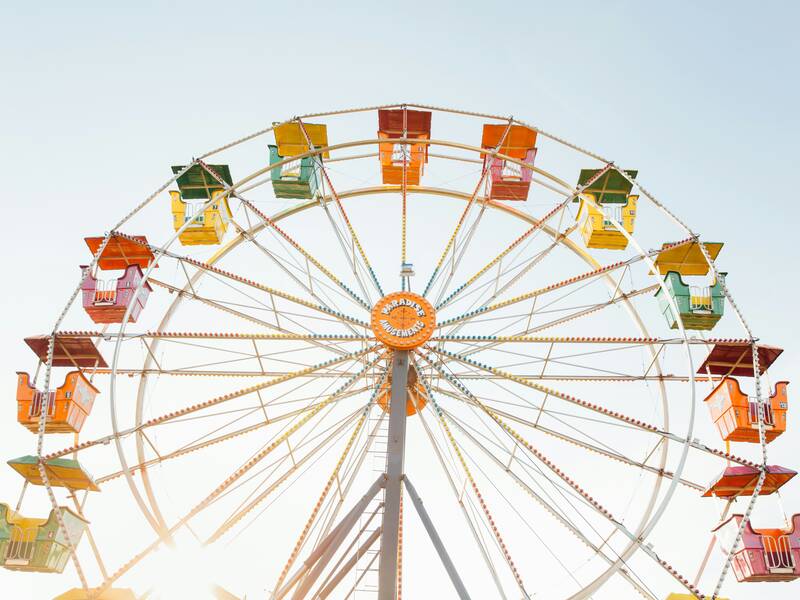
(106, 301)
(763, 554)
(508, 180)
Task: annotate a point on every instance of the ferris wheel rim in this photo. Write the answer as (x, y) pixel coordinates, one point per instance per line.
(634, 545)
(384, 190)
(571, 245)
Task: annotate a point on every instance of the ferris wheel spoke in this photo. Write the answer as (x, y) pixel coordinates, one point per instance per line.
(563, 519)
(532, 385)
(193, 339)
(343, 214)
(475, 344)
(279, 590)
(216, 373)
(288, 268)
(533, 229)
(549, 392)
(487, 477)
(534, 294)
(464, 397)
(280, 234)
(521, 266)
(108, 581)
(592, 448)
(578, 370)
(404, 199)
(517, 268)
(577, 314)
(292, 317)
(587, 499)
(351, 472)
(473, 484)
(584, 279)
(226, 308)
(308, 433)
(221, 335)
(349, 254)
(294, 428)
(459, 247)
(188, 449)
(440, 455)
(550, 507)
(285, 399)
(563, 418)
(238, 474)
(331, 316)
(244, 280)
(333, 505)
(271, 224)
(319, 442)
(355, 356)
(341, 431)
(239, 358)
(452, 241)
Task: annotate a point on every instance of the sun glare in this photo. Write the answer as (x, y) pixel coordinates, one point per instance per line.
(185, 571)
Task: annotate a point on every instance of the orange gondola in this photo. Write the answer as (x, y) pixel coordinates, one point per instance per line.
(736, 415)
(67, 407)
(399, 158)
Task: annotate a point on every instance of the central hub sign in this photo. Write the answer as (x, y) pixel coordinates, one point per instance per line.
(403, 320)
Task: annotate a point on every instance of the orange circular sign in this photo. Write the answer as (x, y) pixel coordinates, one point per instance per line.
(403, 320)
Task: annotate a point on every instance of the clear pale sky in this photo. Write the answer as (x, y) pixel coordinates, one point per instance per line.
(94, 96)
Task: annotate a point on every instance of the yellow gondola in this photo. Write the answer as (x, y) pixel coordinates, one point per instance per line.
(596, 226)
(208, 228)
(197, 186)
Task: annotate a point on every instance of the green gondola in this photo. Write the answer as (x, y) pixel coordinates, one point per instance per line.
(37, 545)
(295, 179)
(699, 308)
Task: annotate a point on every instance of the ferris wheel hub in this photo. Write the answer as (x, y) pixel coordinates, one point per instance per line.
(403, 320)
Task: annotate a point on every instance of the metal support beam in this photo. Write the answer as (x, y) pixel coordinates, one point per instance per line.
(332, 547)
(437, 541)
(395, 456)
(348, 566)
(334, 537)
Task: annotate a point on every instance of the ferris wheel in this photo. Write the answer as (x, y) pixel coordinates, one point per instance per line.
(462, 357)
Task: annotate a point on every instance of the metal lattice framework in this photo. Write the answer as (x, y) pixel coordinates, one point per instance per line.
(550, 396)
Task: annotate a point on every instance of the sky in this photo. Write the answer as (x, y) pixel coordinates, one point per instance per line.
(97, 98)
